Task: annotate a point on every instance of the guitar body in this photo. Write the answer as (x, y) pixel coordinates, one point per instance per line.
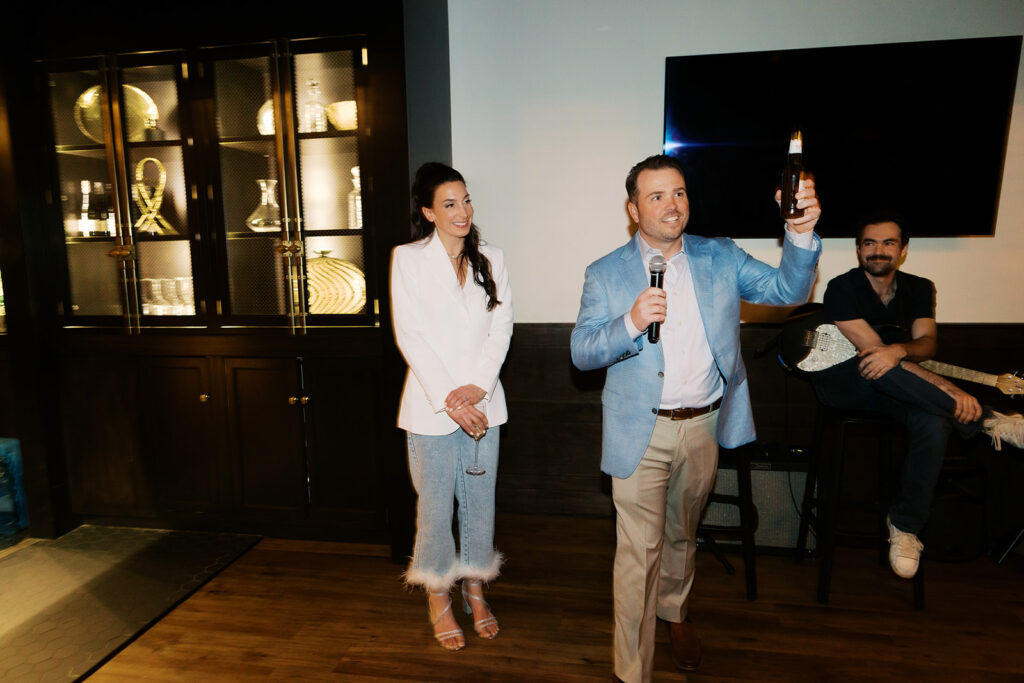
(809, 344)
(827, 347)
(793, 339)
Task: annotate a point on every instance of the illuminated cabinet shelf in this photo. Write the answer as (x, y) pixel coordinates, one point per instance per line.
(215, 187)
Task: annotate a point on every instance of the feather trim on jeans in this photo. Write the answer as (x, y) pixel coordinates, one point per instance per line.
(486, 574)
(433, 582)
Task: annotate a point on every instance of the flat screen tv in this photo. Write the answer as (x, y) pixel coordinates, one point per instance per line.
(915, 128)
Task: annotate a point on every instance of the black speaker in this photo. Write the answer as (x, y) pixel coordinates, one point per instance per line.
(778, 488)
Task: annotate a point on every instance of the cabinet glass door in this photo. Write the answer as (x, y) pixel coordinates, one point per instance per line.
(249, 145)
(326, 87)
(82, 133)
(119, 133)
(291, 185)
(156, 196)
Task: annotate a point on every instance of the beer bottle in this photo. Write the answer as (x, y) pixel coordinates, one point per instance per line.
(791, 176)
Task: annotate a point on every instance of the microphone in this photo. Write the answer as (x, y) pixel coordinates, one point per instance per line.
(657, 265)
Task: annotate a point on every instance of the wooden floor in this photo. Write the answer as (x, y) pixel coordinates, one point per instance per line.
(306, 612)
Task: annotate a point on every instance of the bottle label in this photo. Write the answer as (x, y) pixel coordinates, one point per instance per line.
(796, 146)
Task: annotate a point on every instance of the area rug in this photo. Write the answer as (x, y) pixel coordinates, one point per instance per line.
(68, 605)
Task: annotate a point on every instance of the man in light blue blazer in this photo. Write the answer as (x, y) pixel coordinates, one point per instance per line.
(667, 405)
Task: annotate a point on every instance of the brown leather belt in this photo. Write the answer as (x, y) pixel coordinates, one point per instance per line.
(687, 413)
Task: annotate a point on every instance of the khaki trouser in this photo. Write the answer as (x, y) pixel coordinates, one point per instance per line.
(658, 509)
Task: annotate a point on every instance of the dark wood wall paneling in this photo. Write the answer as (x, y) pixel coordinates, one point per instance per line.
(551, 446)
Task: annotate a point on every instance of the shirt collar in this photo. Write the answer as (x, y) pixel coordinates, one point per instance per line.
(647, 251)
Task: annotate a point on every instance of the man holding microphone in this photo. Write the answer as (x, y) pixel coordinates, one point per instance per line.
(672, 396)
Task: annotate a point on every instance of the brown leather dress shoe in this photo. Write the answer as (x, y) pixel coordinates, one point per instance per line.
(686, 650)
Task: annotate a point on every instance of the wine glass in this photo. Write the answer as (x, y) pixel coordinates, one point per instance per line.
(475, 469)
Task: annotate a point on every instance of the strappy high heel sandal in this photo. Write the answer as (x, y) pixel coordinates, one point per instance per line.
(447, 635)
(480, 624)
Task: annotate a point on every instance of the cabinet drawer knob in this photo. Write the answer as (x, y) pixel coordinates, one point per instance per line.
(203, 398)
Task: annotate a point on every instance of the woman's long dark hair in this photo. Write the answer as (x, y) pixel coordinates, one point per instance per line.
(429, 177)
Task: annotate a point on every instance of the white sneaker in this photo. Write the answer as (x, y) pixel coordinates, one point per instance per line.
(1009, 428)
(904, 551)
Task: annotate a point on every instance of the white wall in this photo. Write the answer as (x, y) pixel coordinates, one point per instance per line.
(554, 100)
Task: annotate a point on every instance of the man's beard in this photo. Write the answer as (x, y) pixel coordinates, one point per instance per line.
(879, 265)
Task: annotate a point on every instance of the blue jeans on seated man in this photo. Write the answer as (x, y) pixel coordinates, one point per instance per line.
(437, 465)
(925, 410)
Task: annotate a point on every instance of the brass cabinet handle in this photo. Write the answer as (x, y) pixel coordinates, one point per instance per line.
(121, 251)
(287, 247)
(203, 398)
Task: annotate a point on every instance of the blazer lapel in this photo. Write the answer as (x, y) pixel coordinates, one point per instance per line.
(702, 272)
(631, 269)
(440, 268)
(635, 280)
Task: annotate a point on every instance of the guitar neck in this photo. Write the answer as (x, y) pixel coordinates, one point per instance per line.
(956, 372)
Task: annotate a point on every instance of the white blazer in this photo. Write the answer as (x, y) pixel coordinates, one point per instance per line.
(446, 333)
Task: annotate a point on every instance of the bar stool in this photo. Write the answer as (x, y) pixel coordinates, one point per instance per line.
(820, 507)
(743, 499)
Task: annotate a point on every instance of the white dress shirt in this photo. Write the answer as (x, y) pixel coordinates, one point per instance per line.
(692, 379)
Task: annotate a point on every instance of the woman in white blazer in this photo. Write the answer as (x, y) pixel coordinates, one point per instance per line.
(452, 313)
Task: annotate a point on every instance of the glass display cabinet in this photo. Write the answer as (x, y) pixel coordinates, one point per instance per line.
(215, 188)
(198, 252)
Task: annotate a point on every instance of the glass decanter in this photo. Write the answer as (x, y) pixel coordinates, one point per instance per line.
(355, 202)
(267, 216)
(314, 114)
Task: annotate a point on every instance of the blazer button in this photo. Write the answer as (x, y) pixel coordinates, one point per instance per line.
(654, 410)
(661, 374)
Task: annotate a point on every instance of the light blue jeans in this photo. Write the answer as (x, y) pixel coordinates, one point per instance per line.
(438, 465)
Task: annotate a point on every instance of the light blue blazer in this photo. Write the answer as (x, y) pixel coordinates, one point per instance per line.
(723, 274)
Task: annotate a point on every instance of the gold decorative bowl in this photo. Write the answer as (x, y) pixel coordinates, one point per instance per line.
(336, 286)
(342, 115)
(140, 109)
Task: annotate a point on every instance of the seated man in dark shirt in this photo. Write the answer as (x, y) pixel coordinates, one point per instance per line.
(890, 317)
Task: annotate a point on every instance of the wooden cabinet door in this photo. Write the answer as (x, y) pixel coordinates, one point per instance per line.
(181, 415)
(265, 437)
(345, 465)
(99, 421)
